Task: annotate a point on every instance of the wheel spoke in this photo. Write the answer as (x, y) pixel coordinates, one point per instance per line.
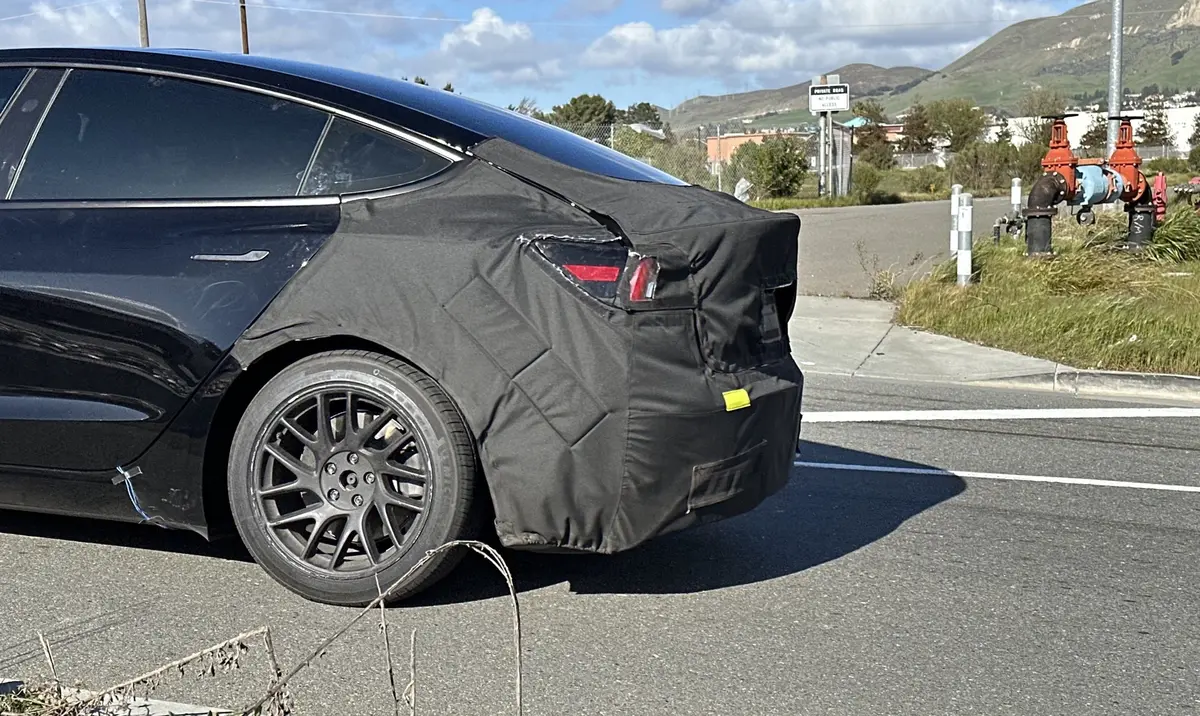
(348, 422)
(292, 464)
(304, 436)
(397, 441)
(312, 512)
(324, 423)
(404, 472)
(320, 527)
(343, 543)
(286, 488)
(399, 500)
(364, 536)
(369, 430)
(389, 528)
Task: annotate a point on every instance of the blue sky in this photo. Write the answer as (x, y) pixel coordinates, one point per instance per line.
(660, 51)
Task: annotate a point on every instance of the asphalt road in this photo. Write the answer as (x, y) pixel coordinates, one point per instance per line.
(851, 592)
(907, 238)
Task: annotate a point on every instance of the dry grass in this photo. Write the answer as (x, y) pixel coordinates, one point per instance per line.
(55, 699)
(1091, 306)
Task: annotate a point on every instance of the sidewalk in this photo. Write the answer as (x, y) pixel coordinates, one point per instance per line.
(853, 337)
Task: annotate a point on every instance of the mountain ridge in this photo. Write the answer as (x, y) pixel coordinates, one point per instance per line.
(1068, 52)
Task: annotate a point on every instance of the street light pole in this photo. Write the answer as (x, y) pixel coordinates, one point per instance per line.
(245, 29)
(143, 25)
(1116, 89)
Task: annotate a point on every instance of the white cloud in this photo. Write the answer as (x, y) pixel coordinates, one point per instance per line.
(786, 41)
(500, 50)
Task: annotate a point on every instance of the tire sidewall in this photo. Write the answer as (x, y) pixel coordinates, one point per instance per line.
(443, 491)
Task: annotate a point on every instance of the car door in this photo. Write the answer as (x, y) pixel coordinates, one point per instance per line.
(145, 225)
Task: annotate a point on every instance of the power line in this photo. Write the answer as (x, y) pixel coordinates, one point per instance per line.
(55, 9)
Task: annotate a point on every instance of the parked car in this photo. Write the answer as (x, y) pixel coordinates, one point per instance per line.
(354, 318)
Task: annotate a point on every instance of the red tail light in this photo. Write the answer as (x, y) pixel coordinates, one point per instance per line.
(594, 266)
(591, 272)
(601, 267)
(644, 282)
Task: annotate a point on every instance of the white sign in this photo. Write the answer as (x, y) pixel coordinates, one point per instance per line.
(829, 98)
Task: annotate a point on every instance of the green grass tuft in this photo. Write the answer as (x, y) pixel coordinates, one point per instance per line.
(1090, 306)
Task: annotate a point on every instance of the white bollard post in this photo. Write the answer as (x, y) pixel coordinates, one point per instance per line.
(966, 237)
(1016, 198)
(955, 198)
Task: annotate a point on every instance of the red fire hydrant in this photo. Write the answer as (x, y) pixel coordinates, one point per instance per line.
(1160, 198)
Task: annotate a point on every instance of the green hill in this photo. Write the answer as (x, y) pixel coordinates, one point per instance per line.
(791, 102)
(1068, 52)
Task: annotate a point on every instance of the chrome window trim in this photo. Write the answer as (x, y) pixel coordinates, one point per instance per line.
(442, 150)
(316, 152)
(431, 145)
(173, 203)
(37, 129)
(17, 93)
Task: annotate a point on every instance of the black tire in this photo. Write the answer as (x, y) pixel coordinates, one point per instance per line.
(356, 497)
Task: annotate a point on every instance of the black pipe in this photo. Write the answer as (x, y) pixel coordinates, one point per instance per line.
(1044, 195)
(1141, 221)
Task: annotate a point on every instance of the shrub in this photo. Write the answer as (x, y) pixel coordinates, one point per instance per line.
(984, 166)
(1193, 159)
(926, 180)
(778, 166)
(865, 180)
(1166, 165)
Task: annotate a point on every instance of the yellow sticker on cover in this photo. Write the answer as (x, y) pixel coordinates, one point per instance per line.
(737, 399)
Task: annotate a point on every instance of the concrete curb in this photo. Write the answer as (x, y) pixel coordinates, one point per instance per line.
(1110, 383)
(135, 707)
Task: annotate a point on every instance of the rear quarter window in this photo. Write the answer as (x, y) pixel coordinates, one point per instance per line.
(354, 158)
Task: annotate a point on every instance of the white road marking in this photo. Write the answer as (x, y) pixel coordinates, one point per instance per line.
(997, 476)
(888, 416)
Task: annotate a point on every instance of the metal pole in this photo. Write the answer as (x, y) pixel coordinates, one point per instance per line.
(1116, 89)
(720, 160)
(143, 25)
(966, 238)
(955, 203)
(245, 28)
(821, 154)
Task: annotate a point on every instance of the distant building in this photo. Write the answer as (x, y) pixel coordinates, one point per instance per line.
(721, 149)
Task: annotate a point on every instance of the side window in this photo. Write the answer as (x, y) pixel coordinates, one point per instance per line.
(355, 158)
(24, 104)
(127, 135)
(10, 81)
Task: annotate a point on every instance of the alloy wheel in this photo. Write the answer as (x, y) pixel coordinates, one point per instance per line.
(342, 480)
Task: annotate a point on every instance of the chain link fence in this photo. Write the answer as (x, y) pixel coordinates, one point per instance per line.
(713, 156)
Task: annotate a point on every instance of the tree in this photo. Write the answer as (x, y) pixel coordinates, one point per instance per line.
(1095, 139)
(918, 131)
(871, 110)
(1155, 130)
(1004, 133)
(1194, 140)
(449, 88)
(586, 109)
(528, 107)
(421, 80)
(777, 167)
(588, 115)
(1038, 103)
(958, 121)
(870, 140)
(641, 113)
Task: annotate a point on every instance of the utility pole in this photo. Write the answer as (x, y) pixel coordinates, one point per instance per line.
(245, 28)
(1116, 87)
(143, 25)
